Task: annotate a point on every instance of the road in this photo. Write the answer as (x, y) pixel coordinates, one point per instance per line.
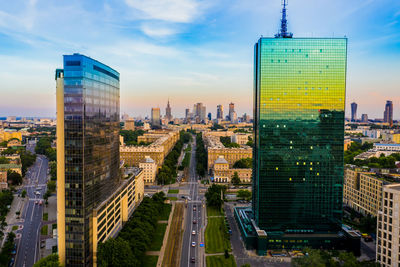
(28, 244)
(195, 202)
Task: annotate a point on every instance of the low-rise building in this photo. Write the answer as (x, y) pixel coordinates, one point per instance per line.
(13, 142)
(6, 135)
(11, 167)
(3, 180)
(388, 227)
(129, 125)
(149, 167)
(14, 158)
(362, 191)
(240, 138)
(223, 173)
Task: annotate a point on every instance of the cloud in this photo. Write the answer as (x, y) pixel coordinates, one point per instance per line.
(157, 30)
(183, 11)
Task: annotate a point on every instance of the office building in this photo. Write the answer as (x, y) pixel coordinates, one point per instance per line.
(353, 112)
(231, 110)
(129, 125)
(388, 113)
(155, 117)
(93, 200)
(299, 99)
(199, 112)
(364, 118)
(220, 112)
(388, 230)
(233, 117)
(168, 115)
(209, 116)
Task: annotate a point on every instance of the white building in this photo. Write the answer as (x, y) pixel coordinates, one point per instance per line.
(149, 167)
(387, 246)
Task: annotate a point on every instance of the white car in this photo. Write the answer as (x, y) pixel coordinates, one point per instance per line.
(193, 244)
(193, 232)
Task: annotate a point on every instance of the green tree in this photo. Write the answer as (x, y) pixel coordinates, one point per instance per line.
(235, 179)
(245, 163)
(115, 252)
(244, 194)
(51, 186)
(49, 261)
(5, 255)
(23, 193)
(4, 160)
(246, 265)
(14, 178)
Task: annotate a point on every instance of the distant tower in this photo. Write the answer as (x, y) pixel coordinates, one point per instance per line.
(231, 110)
(187, 113)
(168, 114)
(283, 33)
(155, 117)
(220, 112)
(354, 111)
(209, 115)
(364, 118)
(388, 113)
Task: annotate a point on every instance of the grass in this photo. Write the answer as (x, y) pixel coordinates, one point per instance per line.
(45, 217)
(173, 191)
(164, 216)
(158, 238)
(44, 229)
(150, 261)
(220, 261)
(216, 236)
(15, 227)
(54, 226)
(172, 198)
(212, 211)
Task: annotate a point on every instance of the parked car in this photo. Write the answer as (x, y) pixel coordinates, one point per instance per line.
(192, 260)
(193, 232)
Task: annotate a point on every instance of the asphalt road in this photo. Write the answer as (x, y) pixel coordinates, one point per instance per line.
(189, 251)
(28, 244)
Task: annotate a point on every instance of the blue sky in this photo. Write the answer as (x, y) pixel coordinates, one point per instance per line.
(187, 50)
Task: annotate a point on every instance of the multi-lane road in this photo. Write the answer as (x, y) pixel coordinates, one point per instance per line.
(194, 220)
(31, 216)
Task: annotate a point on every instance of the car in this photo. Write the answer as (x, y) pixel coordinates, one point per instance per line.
(194, 222)
(36, 202)
(183, 197)
(193, 232)
(192, 260)
(40, 202)
(194, 208)
(193, 244)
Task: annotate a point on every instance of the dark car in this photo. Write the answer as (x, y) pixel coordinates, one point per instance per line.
(192, 260)
(194, 222)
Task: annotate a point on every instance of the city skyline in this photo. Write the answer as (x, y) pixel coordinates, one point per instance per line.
(203, 38)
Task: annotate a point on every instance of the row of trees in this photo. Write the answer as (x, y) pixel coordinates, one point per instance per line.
(43, 147)
(6, 198)
(201, 156)
(129, 247)
(226, 141)
(49, 261)
(130, 137)
(186, 161)
(354, 150)
(5, 255)
(245, 163)
(388, 162)
(215, 195)
(27, 158)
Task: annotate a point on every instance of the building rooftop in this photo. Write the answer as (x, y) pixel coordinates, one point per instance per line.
(221, 160)
(147, 159)
(10, 166)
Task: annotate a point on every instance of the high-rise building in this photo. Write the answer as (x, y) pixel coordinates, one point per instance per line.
(231, 110)
(168, 115)
(233, 117)
(209, 116)
(354, 111)
(388, 113)
(299, 102)
(155, 117)
(187, 115)
(88, 162)
(199, 112)
(220, 112)
(364, 118)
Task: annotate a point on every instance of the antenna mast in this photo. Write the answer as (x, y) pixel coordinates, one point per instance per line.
(283, 33)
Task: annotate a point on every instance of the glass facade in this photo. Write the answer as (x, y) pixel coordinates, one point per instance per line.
(299, 102)
(91, 118)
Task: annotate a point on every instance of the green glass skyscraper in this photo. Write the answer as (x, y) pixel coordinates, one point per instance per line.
(299, 101)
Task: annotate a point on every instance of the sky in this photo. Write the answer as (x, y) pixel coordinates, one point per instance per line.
(188, 50)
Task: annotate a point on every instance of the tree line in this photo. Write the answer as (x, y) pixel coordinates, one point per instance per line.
(201, 155)
(226, 141)
(129, 248)
(131, 137)
(43, 147)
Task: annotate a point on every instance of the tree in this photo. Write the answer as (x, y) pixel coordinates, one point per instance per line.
(235, 179)
(115, 252)
(244, 194)
(49, 261)
(4, 160)
(14, 178)
(51, 186)
(5, 255)
(23, 193)
(226, 254)
(245, 163)
(214, 195)
(246, 265)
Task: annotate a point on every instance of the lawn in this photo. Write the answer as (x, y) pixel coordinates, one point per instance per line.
(158, 238)
(45, 217)
(172, 198)
(220, 261)
(15, 227)
(150, 261)
(216, 236)
(173, 191)
(164, 216)
(212, 211)
(43, 231)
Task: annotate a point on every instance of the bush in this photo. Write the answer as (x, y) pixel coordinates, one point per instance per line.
(49, 261)
(14, 178)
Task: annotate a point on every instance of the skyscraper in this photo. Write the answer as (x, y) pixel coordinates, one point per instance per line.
(354, 111)
(199, 112)
(187, 117)
(168, 114)
(299, 103)
(220, 112)
(364, 118)
(155, 117)
(88, 173)
(388, 113)
(209, 116)
(231, 110)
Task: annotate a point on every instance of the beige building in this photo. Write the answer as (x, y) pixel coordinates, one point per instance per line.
(388, 232)
(14, 158)
(240, 138)
(14, 142)
(110, 215)
(11, 167)
(223, 173)
(149, 167)
(215, 149)
(129, 125)
(5, 136)
(362, 191)
(3, 180)
(162, 143)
